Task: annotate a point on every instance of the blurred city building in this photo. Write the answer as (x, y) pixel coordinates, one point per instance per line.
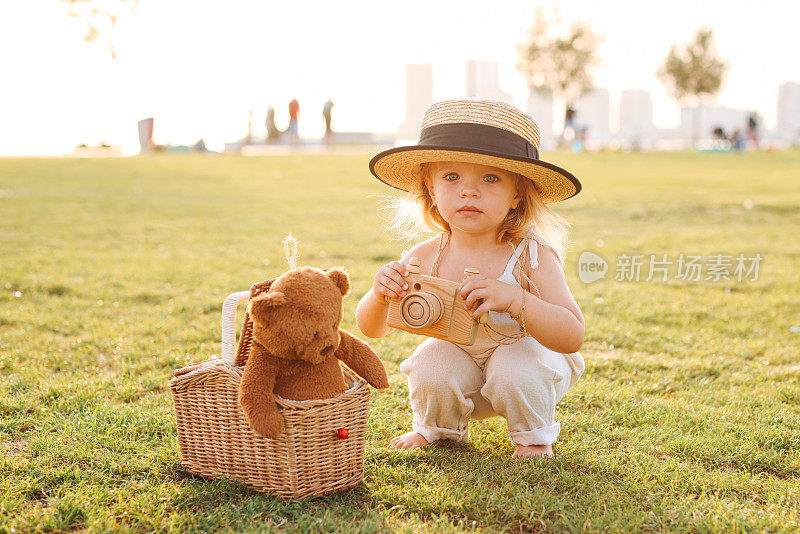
(419, 95)
(540, 107)
(594, 114)
(145, 129)
(636, 128)
(481, 81)
(788, 124)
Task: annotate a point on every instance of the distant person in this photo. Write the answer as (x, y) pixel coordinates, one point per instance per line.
(200, 146)
(294, 111)
(737, 143)
(273, 133)
(579, 144)
(752, 130)
(326, 114)
(248, 138)
(569, 123)
(722, 142)
(720, 138)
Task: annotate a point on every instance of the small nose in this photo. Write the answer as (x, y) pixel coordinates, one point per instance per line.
(326, 350)
(468, 189)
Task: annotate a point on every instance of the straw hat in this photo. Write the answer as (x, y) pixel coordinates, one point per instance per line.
(487, 132)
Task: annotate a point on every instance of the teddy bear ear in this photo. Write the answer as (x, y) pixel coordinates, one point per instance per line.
(339, 277)
(262, 304)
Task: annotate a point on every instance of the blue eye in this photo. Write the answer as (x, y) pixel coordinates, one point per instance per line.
(451, 177)
(491, 178)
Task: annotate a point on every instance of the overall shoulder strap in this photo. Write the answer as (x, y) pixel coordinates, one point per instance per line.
(521, 269)
(513, 262)
(444, 239)
(545, 243)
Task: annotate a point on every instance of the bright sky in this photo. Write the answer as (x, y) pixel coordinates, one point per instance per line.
(199, 67)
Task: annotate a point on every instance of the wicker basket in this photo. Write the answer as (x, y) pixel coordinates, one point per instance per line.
(216, 441)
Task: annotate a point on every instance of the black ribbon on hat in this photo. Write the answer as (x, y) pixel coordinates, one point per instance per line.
(479, 137)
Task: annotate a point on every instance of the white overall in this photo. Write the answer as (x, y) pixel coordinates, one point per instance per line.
(450, 383)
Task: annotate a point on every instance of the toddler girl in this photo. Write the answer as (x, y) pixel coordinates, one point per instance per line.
(477, 180)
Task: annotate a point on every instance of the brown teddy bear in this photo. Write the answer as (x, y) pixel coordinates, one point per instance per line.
(297, 345)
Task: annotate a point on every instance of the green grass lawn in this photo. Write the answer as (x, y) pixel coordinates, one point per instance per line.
(112, 273)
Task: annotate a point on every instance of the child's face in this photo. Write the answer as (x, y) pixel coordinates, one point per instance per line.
(470, 197)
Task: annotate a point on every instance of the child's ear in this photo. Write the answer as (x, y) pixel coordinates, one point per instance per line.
(520, 191)
(517, 198)
(424, 173)
(426, 183)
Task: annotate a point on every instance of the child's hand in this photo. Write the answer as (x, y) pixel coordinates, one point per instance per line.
(389, 282)
(495, 295)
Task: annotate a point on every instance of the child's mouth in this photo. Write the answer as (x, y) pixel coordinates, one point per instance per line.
(469, 210)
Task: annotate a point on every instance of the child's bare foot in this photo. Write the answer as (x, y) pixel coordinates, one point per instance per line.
(408, 441)
(537, 451)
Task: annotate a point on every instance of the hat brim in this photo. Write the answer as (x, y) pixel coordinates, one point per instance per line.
(399, 168)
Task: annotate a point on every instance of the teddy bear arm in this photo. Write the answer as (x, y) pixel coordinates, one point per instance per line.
(256, 393)
(360, 357)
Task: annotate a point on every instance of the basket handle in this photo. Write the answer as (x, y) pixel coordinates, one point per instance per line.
(229, 324)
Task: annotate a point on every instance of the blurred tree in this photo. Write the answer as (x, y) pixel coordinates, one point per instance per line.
(694, 71)
(559, 58)
(101, 16)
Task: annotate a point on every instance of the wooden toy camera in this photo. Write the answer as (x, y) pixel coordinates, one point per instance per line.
(433, 307)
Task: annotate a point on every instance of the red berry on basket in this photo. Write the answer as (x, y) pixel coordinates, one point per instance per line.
(342, 433)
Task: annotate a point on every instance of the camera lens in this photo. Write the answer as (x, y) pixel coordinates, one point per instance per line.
(420, 309)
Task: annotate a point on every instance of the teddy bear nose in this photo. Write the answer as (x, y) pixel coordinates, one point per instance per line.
(326, 350)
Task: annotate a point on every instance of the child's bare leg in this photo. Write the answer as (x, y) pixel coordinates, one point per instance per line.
(408, 441)
(533, 451)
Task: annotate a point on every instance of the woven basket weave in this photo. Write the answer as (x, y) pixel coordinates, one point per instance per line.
(308, 459)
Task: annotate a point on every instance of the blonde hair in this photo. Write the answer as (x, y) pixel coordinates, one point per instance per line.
(413, 215)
